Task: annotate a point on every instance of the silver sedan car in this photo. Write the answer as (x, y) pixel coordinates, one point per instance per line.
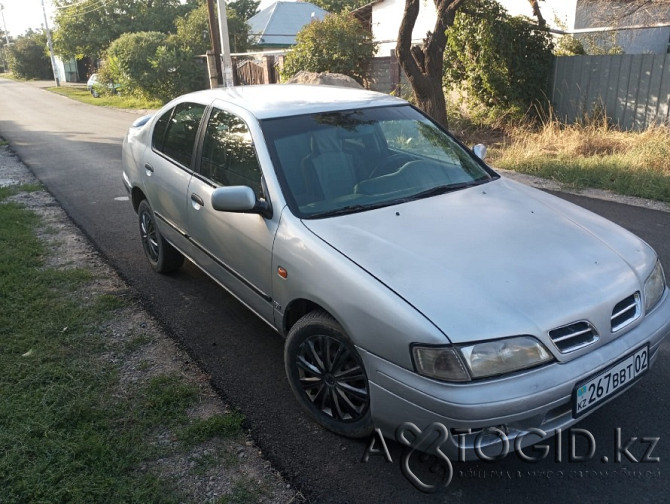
(413, 284)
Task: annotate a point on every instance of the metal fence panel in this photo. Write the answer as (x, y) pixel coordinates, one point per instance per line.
(633, 89)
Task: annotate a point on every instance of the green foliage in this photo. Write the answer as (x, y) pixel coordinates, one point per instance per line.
(238, 31)
(4, 51)
(193, 28)
(153, 65)
(338, 44)
(600, 43)
(503, 63)
(244, 9)
(28, 57)
(568, 45)
(86, 28)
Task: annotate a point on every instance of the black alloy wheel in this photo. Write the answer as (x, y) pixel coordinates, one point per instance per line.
(328, 376)
(162, 256)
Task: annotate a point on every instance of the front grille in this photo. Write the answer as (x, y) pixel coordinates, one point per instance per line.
(573, 336)
(626, 311)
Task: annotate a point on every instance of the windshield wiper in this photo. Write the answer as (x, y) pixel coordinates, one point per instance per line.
(350, 209)
(443, 189)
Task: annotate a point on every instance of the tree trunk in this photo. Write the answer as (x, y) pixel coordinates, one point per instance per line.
(536, 12)
(423, 65)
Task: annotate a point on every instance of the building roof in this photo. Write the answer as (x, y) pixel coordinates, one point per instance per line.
(278, 24)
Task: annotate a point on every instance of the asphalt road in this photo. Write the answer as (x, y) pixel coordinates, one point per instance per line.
(75, 150)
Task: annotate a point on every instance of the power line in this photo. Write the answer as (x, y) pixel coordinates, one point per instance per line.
(91, 8)
(75, 4)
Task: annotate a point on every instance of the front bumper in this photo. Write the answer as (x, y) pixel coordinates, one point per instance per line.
(539, 398)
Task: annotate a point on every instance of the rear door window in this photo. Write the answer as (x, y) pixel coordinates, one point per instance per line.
(228, 153)
(176, 130)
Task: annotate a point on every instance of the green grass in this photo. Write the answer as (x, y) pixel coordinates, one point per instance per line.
(590, 154)
(70, 432)
(80, 93)
(613, 175)
(245, 491)
(228, 425)
(5, 192)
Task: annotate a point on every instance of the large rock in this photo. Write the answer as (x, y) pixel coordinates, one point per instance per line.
(325, 78)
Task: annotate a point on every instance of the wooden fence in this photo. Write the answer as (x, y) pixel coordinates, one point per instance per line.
(261, 71)
(633, 89)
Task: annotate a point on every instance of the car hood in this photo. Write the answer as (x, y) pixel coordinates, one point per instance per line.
(494, 260)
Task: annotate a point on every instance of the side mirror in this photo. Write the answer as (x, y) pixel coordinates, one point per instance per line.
(480, 151)
(240, 199)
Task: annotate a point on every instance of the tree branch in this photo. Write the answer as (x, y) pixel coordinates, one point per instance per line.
(541, 22)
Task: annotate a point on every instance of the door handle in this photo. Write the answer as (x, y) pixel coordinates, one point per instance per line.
(148, 167)
(197, 199)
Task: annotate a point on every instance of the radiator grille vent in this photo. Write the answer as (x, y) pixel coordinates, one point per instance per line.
(573, 336)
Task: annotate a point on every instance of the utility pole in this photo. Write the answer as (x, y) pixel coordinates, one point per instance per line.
(4, 25)
(4, 29)
(215, 41)
(51, 45)
(227, 62)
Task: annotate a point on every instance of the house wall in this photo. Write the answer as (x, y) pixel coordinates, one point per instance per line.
(67, 70)
(560, 14)
(600, 13)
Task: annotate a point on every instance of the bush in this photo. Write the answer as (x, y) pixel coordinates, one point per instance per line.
(503, 63)
(568, 45)
(28, 57)
(153, 65)
(337, 44)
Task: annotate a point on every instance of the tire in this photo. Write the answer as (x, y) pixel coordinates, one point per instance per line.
(95, 93)
(162, 256)
(327, 375)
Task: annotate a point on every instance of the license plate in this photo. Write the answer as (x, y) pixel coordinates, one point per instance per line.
(612, 380)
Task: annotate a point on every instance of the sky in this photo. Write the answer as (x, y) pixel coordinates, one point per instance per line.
(20, 15)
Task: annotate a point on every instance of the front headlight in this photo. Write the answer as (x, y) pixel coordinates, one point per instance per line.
(479, 360)
(496, 357)
(441, 363)
(654, 287)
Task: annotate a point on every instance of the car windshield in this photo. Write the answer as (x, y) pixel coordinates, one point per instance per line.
(333, 163)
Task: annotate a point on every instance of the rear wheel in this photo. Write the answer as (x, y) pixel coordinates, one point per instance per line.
(327, 375)
(162, 256)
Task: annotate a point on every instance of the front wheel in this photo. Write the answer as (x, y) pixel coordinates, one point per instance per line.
(162, 256)
(327, 375)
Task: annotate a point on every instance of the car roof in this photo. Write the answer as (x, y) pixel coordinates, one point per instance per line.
(281, 100)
